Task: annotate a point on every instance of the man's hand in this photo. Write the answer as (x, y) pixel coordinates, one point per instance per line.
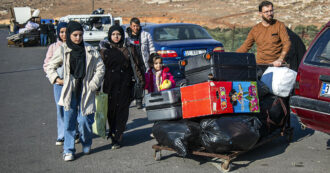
(59, 81)
(277, 63)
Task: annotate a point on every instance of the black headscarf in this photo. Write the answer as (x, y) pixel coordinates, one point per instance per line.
(78, 54)
(59, 27)
(121, 30)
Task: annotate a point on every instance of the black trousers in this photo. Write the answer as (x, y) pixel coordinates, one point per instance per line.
(117, 118)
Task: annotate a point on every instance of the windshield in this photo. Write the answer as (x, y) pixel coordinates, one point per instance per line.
(180, 32)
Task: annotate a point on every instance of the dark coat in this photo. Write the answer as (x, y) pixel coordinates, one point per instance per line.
(296, 52)
(43, 28)
(118, 85)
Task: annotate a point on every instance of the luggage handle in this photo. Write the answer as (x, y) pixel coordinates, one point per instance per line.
(271, 65)
(156, 100)
(155, 94)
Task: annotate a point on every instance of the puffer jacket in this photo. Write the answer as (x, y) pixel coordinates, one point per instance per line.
(150, 83)
(91, 82)
(146, 42)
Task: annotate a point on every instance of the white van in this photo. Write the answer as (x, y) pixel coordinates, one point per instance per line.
(96, 26)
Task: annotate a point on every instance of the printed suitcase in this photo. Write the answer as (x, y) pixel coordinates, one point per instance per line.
(215, 98)
(164, 105)
(221, 66)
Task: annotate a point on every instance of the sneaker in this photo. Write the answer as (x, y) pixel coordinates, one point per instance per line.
(68, 157)
(115, 146)
(77, 138)
(59, 142)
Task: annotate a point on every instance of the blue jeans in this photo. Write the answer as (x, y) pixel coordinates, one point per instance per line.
(60, 112)
(43, 39)
(84, 126)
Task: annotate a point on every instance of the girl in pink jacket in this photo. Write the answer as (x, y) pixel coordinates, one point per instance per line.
(158, 77)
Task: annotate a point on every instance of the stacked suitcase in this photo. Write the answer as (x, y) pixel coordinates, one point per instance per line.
(218, 83)
(221, 66)
(164, 105)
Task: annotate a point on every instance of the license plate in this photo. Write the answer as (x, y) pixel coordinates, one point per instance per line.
(325, 91)
(193, 52)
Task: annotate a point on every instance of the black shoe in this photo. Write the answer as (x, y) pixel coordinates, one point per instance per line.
(115, 145)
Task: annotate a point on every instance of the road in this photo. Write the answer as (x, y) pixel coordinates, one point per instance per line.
(28, 134)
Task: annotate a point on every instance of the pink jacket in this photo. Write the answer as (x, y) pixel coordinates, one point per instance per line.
(51, 50)
(149, 76)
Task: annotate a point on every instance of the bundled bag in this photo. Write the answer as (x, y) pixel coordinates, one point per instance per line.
(180, 135)
(273, 112)
(100, 118)
(280, 80)
(230, 133)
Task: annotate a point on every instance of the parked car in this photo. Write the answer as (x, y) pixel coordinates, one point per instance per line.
(311, 102)
(176, 41)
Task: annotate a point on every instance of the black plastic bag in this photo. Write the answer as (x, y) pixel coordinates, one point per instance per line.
(230, 133)
(180, 135)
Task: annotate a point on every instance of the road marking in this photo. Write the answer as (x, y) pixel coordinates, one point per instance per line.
(16, 71)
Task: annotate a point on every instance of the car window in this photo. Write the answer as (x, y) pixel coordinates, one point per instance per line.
(180, 32)
(319, 54)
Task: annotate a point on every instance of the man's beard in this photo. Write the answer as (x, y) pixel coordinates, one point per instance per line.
(270, 21)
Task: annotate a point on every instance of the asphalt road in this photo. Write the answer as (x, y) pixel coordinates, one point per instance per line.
(28, 134)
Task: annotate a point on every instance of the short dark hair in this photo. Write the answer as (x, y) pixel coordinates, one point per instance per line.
(264, 4)
(134, 20)
(152, 58)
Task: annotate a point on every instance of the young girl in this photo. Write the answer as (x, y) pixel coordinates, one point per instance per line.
(158, 77)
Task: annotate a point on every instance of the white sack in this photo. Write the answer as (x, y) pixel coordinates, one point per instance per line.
(36, 13)
(280, 80)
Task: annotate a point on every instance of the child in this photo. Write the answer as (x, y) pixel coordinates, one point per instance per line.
(158, 77)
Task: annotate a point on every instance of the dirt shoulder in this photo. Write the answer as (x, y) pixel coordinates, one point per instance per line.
(210, 13)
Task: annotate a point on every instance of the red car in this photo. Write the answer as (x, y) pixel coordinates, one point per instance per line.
(311, 102)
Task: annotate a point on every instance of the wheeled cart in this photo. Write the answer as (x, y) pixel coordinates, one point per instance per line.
(286, 131)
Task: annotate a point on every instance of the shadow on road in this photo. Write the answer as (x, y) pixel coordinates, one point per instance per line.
(137, 136)
(274, 147)
(139, 122)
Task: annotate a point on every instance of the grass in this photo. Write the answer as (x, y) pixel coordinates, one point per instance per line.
(234, 38)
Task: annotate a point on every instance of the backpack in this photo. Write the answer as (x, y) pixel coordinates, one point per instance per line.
(273, 113)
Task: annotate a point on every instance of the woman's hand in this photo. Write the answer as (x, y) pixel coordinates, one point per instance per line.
(59, 81)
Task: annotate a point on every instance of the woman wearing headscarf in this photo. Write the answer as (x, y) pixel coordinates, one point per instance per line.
(83, 71)
(118, 82)
(61, 29)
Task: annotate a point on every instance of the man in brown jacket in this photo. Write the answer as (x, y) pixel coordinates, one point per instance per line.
(271, 37)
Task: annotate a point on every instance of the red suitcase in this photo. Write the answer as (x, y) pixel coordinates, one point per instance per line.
(211, 98)
(206, 98)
